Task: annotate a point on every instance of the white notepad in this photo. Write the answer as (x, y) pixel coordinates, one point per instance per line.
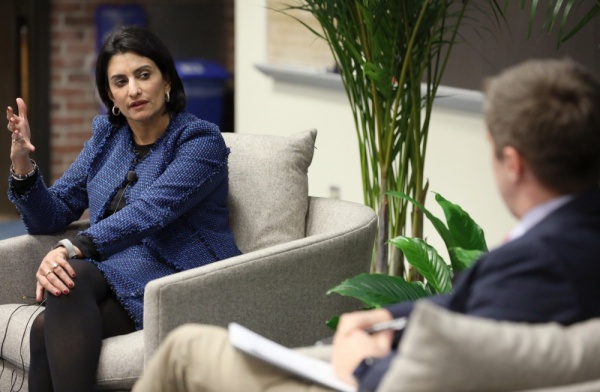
(306, 367)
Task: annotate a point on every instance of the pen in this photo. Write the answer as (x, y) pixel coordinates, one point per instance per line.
(394, 325)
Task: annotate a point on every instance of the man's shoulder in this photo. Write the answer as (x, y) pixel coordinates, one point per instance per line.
(564, 244)
(583, 205)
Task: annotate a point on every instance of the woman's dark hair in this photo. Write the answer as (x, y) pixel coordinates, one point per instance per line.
(139, 40)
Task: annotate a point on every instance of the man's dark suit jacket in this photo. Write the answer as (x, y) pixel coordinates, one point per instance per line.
(551, 273)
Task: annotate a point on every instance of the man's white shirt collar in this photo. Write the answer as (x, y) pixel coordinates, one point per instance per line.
(537, 214)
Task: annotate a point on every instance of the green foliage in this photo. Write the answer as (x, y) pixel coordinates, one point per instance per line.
(391, 56)
(464, 258)
(427, 262)
(332, 323)
(376, 290)
(464, 232)
(465, 243)
(462, 235)
(556, 15)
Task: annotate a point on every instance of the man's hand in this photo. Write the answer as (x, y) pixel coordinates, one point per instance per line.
(351, 344)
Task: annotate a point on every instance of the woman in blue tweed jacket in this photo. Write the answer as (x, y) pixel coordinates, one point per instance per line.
(155, 181)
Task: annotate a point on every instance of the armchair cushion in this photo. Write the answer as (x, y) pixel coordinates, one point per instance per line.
(121, 359)
(446, 351)
(268, 171)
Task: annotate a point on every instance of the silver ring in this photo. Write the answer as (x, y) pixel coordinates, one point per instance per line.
(54, 266)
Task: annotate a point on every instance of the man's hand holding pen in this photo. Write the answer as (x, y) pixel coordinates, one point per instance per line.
(352, 342)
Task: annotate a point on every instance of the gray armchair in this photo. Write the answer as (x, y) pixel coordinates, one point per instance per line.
(295, 248)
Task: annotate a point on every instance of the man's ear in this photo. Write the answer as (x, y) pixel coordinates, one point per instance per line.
(514, 163)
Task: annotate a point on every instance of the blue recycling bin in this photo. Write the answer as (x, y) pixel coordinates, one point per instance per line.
(204, 83)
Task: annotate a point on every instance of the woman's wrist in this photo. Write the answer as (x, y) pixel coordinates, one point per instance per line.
(20, 175)
(22, 166)
(72, 252)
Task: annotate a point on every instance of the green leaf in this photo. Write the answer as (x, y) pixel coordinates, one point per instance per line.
(376, 290)
(427, 262)
(464, 258)
(593, 13)
(553, 10)
(461, 232)
(439, 226)
(464, 231)
(534, 4)
(380, 77)
(332, 323)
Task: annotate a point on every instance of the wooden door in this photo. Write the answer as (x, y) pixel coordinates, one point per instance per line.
(25, 70)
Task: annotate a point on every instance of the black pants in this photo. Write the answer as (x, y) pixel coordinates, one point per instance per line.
(66, 338)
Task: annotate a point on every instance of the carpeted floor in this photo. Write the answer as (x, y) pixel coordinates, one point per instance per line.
(11, 228)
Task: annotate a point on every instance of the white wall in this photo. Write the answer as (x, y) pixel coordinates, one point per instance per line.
(458, 163)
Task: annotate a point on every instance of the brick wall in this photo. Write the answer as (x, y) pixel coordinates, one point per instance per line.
(72, 101)
(72, 88)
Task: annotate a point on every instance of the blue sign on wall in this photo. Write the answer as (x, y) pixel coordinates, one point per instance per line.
(109, 17)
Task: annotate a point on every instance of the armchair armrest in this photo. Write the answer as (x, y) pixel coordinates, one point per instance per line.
(21, 256)
(278, 291)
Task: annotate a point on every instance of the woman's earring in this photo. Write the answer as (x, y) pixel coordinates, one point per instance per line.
(116, 111)
(167, 97)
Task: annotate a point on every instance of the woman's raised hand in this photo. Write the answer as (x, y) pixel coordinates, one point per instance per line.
(18, 126)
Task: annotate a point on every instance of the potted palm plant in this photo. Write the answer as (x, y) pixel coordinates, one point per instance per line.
(391, 56)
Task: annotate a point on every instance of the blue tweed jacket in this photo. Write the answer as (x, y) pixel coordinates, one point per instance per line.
(176, 217)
